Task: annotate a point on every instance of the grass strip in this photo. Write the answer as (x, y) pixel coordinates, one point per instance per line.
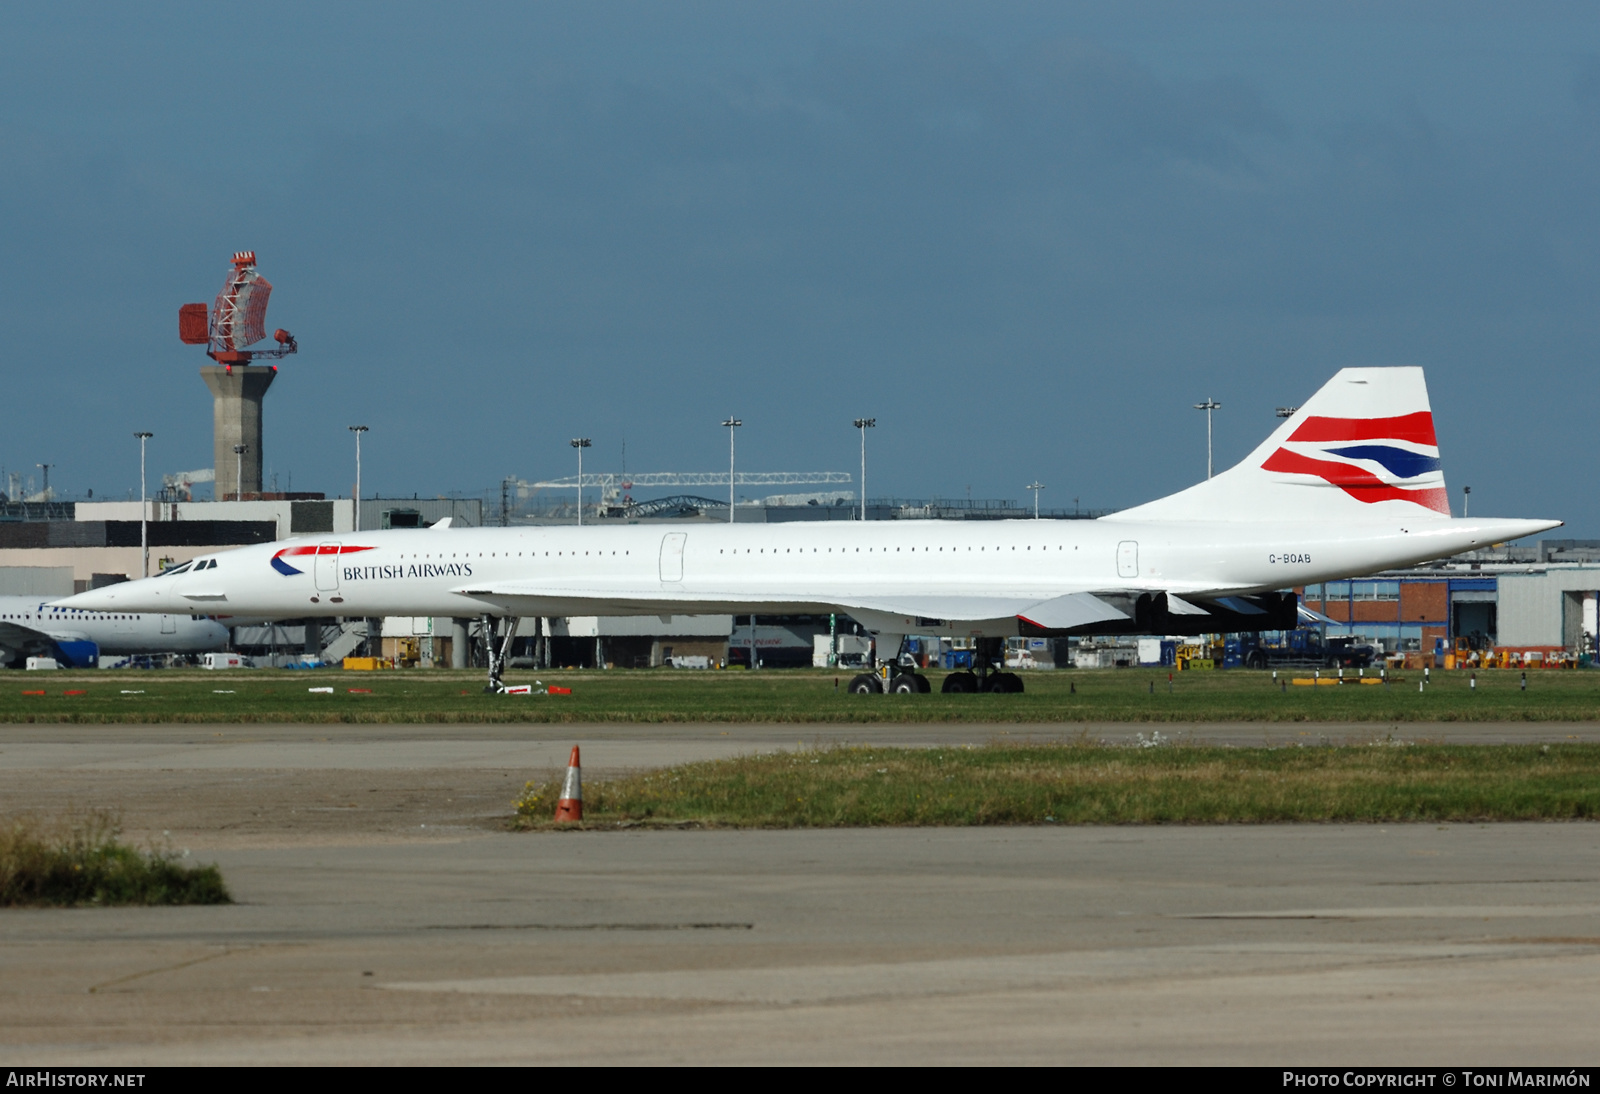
(79, 861)
(800, 696)
(851, 787)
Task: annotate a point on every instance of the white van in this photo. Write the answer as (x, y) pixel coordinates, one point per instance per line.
(223, 661)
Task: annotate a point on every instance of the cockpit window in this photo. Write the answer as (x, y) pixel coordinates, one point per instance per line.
(175, 570)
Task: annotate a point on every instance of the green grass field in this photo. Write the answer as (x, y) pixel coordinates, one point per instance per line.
(786, 696)
(1089, 784)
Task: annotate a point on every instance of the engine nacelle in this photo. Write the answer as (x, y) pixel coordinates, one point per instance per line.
(77, 653)
(1229, 615)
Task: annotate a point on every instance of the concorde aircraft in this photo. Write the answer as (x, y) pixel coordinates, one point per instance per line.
(76, 637)
(1349, 485)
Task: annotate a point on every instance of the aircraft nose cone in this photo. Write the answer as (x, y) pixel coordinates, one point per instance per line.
(143, 595)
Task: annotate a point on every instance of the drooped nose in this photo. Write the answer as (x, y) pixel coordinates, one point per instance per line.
(144, 595)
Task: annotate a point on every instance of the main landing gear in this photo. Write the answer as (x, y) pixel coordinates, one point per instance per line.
(498, 657)
(905, 680)
(987, 657)
(895, 679)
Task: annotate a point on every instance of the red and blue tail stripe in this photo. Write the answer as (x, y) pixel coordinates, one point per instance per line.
(1400, 462)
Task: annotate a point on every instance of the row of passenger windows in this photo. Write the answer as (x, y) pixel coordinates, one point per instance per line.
(872, 550)
(722, 551)
(76, 615)
(507, 554)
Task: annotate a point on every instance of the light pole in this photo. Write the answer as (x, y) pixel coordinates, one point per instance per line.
(1208, 406)
(238, 470)
(1466, 501)
(580, 443)
(1036, 487)
(864, 424)
(144, 508)
(730, 424)
(358, 430)
(44, 490)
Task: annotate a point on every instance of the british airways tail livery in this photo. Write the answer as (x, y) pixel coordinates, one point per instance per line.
(1349, 485)
(1361, 450)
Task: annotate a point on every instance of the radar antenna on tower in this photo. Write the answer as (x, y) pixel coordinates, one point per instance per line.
(238, 319)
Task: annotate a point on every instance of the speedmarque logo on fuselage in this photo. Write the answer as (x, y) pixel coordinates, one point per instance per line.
(284, 568)
(367, 573)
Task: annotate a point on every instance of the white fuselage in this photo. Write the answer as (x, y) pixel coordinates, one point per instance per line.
(114, 632)
(770, 568)
(1350, 484)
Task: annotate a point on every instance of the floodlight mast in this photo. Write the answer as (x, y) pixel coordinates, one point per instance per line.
(144, 506)
(1208, 406)
(358, 430)
(730, 423)
(580, 443)
(864, 424)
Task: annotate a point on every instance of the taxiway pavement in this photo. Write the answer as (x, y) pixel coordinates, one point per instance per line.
(382, 916)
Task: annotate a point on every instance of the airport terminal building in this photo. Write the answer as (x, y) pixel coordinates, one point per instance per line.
(1542, 595)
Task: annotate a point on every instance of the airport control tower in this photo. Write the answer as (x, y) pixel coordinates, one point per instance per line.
(237, 384)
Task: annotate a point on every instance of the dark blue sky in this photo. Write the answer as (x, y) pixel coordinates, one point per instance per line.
(1026, 237)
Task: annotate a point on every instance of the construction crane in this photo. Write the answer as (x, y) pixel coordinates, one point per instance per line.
(613, 486)
(178, 487)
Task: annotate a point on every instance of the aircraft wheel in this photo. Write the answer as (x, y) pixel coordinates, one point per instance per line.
(905, 684)
(960, 683)
(1256, 660)
(1005, 683)
(864, 684)
(923, 684)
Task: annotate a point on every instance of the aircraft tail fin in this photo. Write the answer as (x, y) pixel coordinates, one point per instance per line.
(1361, 449)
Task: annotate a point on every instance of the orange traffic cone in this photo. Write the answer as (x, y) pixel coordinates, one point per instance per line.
(570, 806)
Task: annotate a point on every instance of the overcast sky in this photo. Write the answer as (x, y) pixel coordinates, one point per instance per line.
(1026, 237)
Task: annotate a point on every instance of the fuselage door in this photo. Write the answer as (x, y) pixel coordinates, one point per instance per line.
(328, 568)
(672, 555)
(1128, 558)
(169, 624)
